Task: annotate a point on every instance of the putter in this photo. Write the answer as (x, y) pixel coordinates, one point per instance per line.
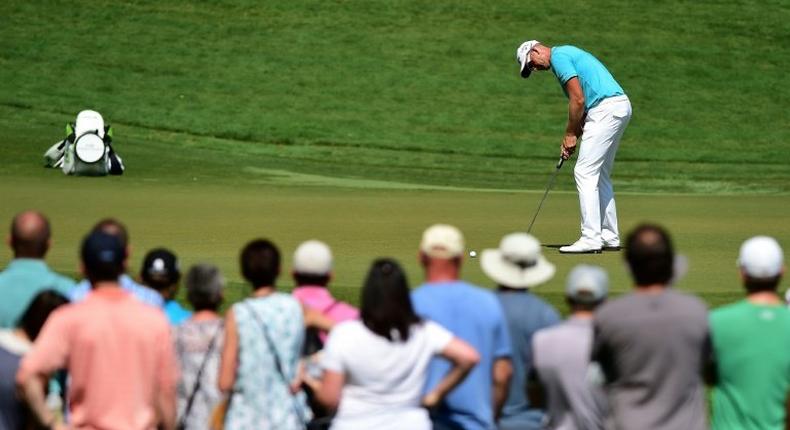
(548, 187)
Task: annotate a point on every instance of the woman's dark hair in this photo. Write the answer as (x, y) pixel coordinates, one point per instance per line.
(260, 263)
(38, 311)
(386, 306)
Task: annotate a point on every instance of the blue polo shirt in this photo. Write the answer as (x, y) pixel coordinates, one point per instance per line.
(476, 316)
(21, 281)
(175, 313)
(141, 292)
(596, 81)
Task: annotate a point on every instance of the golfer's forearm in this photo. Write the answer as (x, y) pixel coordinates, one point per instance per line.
(575, 117)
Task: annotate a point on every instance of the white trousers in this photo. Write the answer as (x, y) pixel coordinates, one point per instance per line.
(603, 128)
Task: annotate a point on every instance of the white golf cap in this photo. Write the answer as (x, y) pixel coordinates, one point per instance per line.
(313, 258)
(518, 263)
(89, 120)
(761, 257)
(522, 56)
(442, 241)
(587, 284)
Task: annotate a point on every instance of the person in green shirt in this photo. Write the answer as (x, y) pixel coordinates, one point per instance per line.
(751, 345)
(27, 274)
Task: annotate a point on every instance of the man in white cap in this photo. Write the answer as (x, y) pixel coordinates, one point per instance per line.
(598, 113)
(561, 357)
(474, 315)
(516, 266)
(312, 272)
(751, 345)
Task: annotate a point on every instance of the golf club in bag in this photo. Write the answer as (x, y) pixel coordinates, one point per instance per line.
(548, 187)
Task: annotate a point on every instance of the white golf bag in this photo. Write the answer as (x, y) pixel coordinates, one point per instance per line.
(87, 150)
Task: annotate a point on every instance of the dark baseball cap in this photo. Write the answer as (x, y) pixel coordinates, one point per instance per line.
(160, 268)
(102, 252)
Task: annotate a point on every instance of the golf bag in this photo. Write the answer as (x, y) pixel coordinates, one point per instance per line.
(87, 149)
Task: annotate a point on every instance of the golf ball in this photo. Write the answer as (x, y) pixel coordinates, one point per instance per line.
(473, 254)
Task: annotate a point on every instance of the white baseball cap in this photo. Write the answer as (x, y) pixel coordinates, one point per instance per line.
(442, 241)
(89, 120)
(517, 263)
(761, 257)
(313, 258)
(587, 284)
(522, 56)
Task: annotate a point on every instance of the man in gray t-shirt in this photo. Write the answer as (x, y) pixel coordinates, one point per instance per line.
(561, 358)
(652, 343)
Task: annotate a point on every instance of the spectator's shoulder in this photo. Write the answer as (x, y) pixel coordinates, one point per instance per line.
(725, 311)
(692, 300)
(613, 306)
(348, 327)
(549, 311)
(288, 299)
(63, 281)
(545, 334)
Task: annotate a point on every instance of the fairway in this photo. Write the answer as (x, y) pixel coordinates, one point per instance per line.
(363, 122)
(207, 222)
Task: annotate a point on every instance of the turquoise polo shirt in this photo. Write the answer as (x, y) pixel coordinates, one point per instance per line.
(175, 313)
(21, 281)
(596, 81)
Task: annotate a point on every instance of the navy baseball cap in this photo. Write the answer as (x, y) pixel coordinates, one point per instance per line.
(160, 268)
(101, 251)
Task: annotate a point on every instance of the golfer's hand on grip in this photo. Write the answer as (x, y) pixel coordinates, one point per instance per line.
(568, 146)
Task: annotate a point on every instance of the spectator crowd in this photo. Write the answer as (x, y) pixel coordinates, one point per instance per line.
(117, 351)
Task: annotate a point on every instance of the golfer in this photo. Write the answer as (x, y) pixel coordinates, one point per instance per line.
(598, 112)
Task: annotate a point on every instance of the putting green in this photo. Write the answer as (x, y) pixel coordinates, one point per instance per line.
(362, 220)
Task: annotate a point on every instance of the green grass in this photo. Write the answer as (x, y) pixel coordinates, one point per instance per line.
(207, 222)
(410, 91)
(363, 122)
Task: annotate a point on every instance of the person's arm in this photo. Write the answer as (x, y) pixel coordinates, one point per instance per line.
(167, 381)
(575, 117)
(536, 393)
(230, 354)
(49, 353)
(315, 319)
(330, 389)
(503, 371)
(464, 358)
(32, 390)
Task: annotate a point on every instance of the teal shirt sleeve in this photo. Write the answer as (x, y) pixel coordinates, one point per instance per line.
(563, 67)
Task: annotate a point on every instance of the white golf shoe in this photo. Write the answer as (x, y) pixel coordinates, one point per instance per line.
(581, 246)
(611, 245)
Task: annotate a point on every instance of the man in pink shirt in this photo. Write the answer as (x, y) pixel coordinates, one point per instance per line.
(117, 351)
(312, 271)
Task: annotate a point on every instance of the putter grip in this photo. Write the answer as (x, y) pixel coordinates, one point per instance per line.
(559, 164)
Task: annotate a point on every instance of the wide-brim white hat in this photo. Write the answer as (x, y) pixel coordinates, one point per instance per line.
(517, 263)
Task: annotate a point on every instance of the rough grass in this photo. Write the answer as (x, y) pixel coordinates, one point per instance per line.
(421, 92)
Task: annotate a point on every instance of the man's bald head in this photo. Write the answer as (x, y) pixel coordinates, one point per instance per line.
(30, 235)
(650, 255)
(115, 228)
